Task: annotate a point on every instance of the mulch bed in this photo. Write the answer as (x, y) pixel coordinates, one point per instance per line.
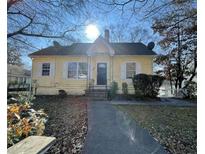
(67, 122)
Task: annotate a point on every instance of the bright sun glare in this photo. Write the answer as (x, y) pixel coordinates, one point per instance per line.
(92, 32)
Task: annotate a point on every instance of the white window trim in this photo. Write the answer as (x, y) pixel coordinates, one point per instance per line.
(49, 69)
(129, 81)
(76, 70)
(38, 73)
(126, 69)
(87, 70)
(67, 70)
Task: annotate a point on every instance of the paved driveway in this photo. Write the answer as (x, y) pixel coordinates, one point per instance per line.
(112, 132)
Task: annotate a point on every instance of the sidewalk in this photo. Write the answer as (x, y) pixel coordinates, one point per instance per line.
(164, 101)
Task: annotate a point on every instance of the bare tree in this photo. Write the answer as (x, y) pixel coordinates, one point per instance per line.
(13, 56)
(123, 33)
(33, 19)
(118, 32)
(149, 8)
(139, 34)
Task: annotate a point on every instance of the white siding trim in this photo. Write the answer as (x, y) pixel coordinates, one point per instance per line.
(65, 70)
(138, 68)
(52, 69)
(123, 71)
(89, 71)
(39, 69)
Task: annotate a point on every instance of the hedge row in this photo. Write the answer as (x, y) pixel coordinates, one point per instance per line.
(147, 85)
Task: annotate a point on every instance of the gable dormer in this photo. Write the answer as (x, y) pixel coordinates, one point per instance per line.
(101, 46)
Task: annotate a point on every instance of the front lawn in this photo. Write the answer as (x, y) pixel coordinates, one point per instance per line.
(174, 127)
(67, 122)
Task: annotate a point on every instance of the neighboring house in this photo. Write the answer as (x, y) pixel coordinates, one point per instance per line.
(76, 67)
(166, 90)
(18, 75)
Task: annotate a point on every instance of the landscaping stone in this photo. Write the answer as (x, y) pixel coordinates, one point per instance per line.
(32, 145)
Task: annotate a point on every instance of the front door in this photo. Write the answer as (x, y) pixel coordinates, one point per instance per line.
(101, 73)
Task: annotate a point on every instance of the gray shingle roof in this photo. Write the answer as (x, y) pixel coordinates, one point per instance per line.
(81, 48)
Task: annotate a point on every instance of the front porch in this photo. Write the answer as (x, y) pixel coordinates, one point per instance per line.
(98, 92)
(100, 69)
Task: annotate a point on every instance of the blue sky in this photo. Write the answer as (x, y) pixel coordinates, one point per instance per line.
(102, 21)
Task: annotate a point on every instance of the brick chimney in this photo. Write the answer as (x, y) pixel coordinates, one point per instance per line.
(107, 35)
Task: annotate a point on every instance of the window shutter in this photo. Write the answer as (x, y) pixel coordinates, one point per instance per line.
(123, 71)
(138, 68)
(52, 69)
(39, 70)
(65, 70)
(89, 71)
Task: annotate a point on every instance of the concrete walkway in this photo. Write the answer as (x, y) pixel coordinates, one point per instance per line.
(112, 132)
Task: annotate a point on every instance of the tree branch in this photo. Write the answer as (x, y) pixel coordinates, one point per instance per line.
(12, 2)
(40, 34)
(24, 42)
(24, 27)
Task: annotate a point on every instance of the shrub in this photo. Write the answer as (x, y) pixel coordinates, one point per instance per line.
(23, 98)
(23, 121)
(140, 82)
(20, 98)
(13, 82)
(113, 90)
(147, 85)
(124, 88)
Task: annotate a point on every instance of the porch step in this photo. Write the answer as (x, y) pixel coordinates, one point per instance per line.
(99, 87)
(97, 94)
(98, 99)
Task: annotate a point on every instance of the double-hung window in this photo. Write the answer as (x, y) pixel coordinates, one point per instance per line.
(77, 70)
(130, 70)
(45, 69)
(82, 70)
(72, 70)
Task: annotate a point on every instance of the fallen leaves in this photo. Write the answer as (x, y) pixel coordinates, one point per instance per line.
(67, 122)
(173, 127)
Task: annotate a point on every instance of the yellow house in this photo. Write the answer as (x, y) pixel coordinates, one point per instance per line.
(79, 66)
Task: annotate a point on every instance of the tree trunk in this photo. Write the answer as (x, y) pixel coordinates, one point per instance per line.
(170, 77)
(179, 70)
